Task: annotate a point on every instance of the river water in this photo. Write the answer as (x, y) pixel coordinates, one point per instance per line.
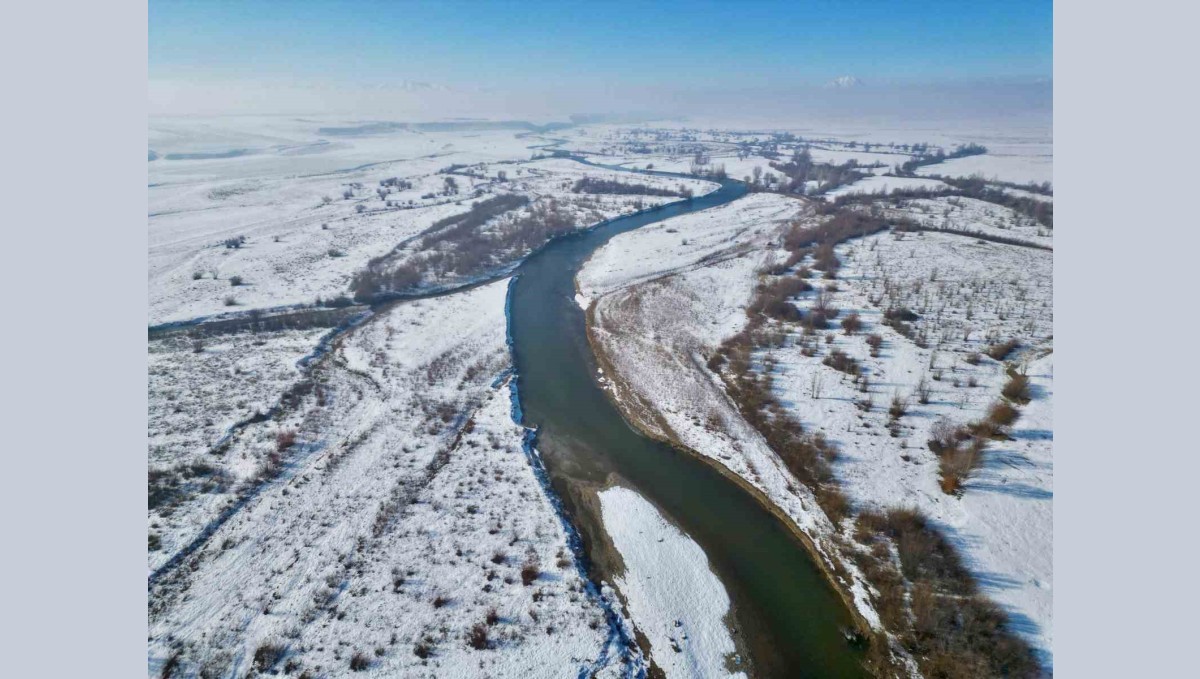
(787, 615)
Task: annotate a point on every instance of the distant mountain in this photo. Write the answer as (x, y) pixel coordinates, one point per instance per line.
(844, 82)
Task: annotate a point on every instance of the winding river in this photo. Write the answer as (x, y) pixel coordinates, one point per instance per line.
(786, 615)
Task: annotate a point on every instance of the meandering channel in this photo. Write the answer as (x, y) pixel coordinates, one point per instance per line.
(786, 612)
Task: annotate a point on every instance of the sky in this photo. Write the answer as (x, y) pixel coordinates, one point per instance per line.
(550, 59)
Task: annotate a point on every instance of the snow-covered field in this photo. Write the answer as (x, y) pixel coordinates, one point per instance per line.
(657, 317)
(306, 235)
(198, 391)
(970, 214)
(411, 535)
(673, 596)
(376, 507)
(881, 184)
(970, 295)
(1019, 169)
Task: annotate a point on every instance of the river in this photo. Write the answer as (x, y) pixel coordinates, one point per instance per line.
(787, 615)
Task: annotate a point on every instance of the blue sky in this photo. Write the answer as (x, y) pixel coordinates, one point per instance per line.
(505, 44)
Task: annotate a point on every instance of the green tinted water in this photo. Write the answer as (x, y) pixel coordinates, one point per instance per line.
(790, 618)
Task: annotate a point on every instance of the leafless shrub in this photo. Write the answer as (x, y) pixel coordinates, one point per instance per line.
(285, 439)
(360, 662)
(852, 323)
(267, 655)
(1017, 387)
(1002, 414)
(956, 463)
(1001, 351)
(530, 572)
(838, 360)
(875, 342)
(478, 637)
(924, 391)
(943, 434)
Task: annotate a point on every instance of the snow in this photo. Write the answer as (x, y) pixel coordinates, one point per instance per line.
(660, 310)
(658, 316)
(1003, 523)
(879, 184)
(1018, 151)
(1019, 169)
(974, 215)
(673, 596)
(681, 241)
(299, 249)
(410, 482)
(841, 155)
(409, 479)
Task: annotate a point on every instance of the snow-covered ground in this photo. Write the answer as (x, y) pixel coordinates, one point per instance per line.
(969, 295)
(1019, 169)
(970, 214)
(681, 241)
(307, 235)
(881, 184)
(658, 316)
(1018, 152)
(409, 534)
(198, 391)
(673, 596)
(384, 511)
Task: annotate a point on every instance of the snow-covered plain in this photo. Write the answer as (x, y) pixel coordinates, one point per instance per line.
(673, 596)
(970, 214)
(198, 392)
(409, 516)
(970, 295)
(406, 509)
(299, 248)
(1019, 169)
(881, 184)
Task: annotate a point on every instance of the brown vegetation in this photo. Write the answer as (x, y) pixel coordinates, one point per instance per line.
(609, 186)
(1000, 351)
(1017, 387)
(948, 626)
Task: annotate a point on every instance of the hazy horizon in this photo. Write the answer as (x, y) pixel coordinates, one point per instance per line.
(765, 62)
